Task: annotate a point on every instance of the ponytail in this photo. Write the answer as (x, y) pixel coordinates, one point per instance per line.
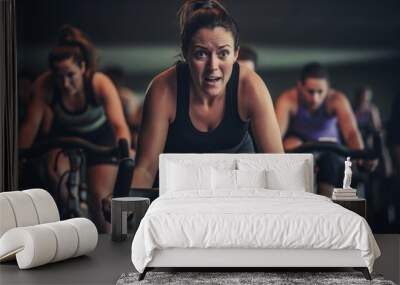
(197, 14)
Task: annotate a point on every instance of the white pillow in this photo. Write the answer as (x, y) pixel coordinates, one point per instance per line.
(182, 177)
(251, 178)
(223, 179)
(236, 179)
(282, 174)
(292, 180)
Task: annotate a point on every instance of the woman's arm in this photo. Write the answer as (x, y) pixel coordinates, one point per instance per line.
(260, 111)
(108, 95)
(158, 110)
(282, 110)
(346, 121)
(38, 115)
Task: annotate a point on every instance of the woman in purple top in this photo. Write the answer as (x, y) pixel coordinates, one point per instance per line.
(313, 112)
(318, 125)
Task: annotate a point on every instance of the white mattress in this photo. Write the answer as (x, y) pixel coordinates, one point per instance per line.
(252, 218)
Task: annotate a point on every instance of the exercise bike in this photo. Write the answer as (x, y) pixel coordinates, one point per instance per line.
(380, 199)
(75, 149)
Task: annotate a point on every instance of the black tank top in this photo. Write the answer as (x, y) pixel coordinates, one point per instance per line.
(90, 123)
(230, 136)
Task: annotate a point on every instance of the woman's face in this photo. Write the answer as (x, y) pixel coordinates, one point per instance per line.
(314, 92)
(211, 56)
(69, 76)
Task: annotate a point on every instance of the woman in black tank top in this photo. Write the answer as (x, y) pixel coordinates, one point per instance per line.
(230, 136)
(205, 104)
(77, 101)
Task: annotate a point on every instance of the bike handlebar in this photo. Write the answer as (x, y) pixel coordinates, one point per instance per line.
(66, 143)
(341, 150)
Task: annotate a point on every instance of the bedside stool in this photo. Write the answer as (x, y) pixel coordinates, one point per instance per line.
(121, 208)
(357, 205)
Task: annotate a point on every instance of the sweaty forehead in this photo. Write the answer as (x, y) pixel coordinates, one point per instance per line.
(213, 38)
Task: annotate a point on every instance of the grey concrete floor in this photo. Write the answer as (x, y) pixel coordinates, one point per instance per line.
(102, 266)
(110, 259)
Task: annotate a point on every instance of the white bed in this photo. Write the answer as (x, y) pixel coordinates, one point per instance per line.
(202, 220)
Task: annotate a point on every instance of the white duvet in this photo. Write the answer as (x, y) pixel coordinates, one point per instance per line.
(251, 218)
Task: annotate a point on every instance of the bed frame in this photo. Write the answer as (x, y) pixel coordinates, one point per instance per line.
(246, 259)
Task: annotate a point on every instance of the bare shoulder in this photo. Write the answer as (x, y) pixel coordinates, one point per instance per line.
(42, 87)
(104, 88)
(288, 101)
(43, 78)
(337, 102)
(99, 77)
(164, 83)
(102, 83)
(337, 99)
(161, 93)
(290, 96)
(251, 85)
(101, 80)
(253, 94)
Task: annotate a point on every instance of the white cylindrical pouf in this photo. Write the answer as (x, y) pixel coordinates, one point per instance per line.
(45, 205)
(7, 218)
(87, 235)
(34, 246)
(40, 244)
(23, 208)
(67, 239)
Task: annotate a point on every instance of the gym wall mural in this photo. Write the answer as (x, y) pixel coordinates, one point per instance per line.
(66, 53)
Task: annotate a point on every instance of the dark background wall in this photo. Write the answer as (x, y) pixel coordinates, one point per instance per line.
(357, 40)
